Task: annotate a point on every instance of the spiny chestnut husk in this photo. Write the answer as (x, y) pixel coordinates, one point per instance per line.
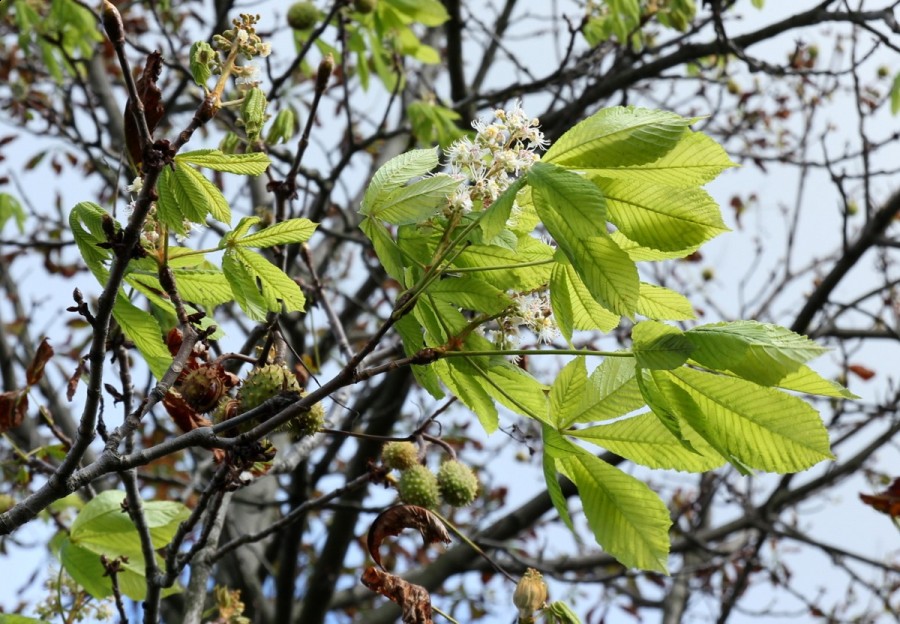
(457, 482)
(400, 455)
(418, 486)
(203, 387)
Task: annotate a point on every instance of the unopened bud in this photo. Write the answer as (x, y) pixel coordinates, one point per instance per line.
(530, 594)
(326, 66)
(112, 23)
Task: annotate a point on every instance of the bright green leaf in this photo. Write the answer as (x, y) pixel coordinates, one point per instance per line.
(612, 392)
(416, 202)
(644, 440)
(662, 217)
(462, 380)
(395, 173)
(756, 351)
(252, 164)
(10, 208)
(568, 391)
(470, 293)
(618, 137)
(662, 304)
(386, 248)
(760, 427)
(144, 331)
(527, 268)
(659, 346)
(281, 233)
(203, 195)
(573, 305)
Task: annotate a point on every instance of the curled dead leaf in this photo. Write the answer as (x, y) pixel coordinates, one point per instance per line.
(887, 502)
(151, 98)
(861, 371)
(394, 520)
(35, 370)
(413, 600)
(13, 407)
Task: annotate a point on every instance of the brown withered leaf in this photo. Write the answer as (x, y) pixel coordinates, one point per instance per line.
(72, 384)
(151, 98)
(183, 414)
(394, 520)
(863, 372)
(35, 370)
(13, 407)
(887, 502)
(413, 600)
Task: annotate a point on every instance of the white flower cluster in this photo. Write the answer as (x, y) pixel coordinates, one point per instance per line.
(488, 164)
(534, 312)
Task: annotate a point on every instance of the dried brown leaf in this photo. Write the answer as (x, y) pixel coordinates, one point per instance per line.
(13, 407)
(413, 600)
(151, 98)
(887, 502)
(35, 370)
(394, 520)
(72, 385)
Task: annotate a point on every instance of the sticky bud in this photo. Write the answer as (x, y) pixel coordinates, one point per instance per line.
(530, 595)
(326, 67)
(112, 23)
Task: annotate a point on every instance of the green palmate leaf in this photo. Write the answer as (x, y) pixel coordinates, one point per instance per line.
(252, 164)
(86, 223)
(644, 440)
(259, 286)
(282, 233)
(756, 351)
(627, 518)
(206, 287)
(568, 392)
(386, 248)
(10, 208)
(637, 253)
(526, 268)
(612, 392)
(548, 463)
(695, 160)
(750, 425)
(432, 123)
(144, 331)
(427, 12)
(808, 381)
(206, 191)
(662, 217)
(659, 346)
(102, 528)
(494, 219)
(19, 619)
(182, 196)
(395, 173)
(462, 380)
(573, 305)
(470, 293)
(662, 406)
(415, 203)
(244, 288)
(558, 612)
(512, 387)
(576, 207)
(662, 304)
(283, 127)
(608, 273)
(413, 340)
(618, 137)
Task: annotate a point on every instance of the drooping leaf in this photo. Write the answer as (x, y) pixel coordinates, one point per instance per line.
(215, 202)
(144, 331)
(394, 520)
(259, 286)
(35, 371)
(252, 164)
(573, 305)
(612, 392)
(526, 268)
(512, 387)
(413, 340)
(548, 463)
(759, 427)
(627, 518)
(569, 205)
(10, 208)
(568, 392)
(462, 380)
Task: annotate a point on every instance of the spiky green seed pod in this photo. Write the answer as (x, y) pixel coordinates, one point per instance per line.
(418, 486)
(400, 455)
(308, 423)
(302, 15)
(265, 382)
(457, 482)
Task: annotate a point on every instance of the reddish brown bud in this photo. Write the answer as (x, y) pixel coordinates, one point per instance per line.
(326, 66)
